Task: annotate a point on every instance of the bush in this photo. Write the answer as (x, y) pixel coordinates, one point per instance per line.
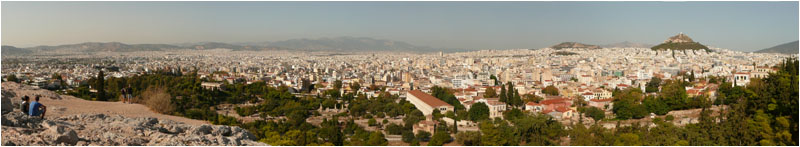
(439, 138)
(469, 138)
(408, 136)
(394, 129)
(368, 116)
(669, 118)
(372, 122)
(423, 136)
(158, 100)
(414, 142)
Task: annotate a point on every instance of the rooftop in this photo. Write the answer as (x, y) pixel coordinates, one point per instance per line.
(428, 99)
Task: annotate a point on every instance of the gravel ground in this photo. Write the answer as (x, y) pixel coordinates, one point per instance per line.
(64, 105)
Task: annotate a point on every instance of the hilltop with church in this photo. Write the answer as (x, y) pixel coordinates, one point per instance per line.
(680, 42)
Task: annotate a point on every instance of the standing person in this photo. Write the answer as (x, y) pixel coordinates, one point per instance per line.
(129, 94)
(26, 101)
(124, 95)
(37, 109)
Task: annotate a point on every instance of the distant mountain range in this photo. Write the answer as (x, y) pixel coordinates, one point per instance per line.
(103, 47)
(680, 42)
(349, 44)
(627, 44)
(564, 45)
(14, 50)
(321, 44)
(786, 48)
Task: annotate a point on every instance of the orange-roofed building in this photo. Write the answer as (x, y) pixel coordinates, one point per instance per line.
(427, 103)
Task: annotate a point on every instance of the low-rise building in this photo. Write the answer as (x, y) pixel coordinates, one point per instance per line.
(427, 103)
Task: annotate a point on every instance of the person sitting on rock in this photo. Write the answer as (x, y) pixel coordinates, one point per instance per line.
(26, 101)
(37, 109)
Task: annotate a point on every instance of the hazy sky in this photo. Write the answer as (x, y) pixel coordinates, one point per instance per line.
(744, 26)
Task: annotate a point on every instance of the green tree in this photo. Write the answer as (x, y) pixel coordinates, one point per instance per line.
(655, 105)
(469, 138)
(12, 77)
(372, 122)
(580, 136)
(503, 94)
(377, 139)
(496, 82)
(513, 98)
(490, 93)
(595, 113)
(408, 136)
(414, 142)
(337, 84)
(497, 134)
(532, 98)
(628, 139)
(439, 138)
(538, 130)
(100, 86)
(478, 111)
(355, 86)
(550, 90)
(674, 95)
(652, 86)
(423, 136)
(627, 104)
(512, 114)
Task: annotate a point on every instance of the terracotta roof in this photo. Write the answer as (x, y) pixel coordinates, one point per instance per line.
(562, 109)
(533, 104)
(428, 99)
(553, 101)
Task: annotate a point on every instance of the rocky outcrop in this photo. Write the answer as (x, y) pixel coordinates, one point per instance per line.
(680, 38)
(100, 129)
(7, 105)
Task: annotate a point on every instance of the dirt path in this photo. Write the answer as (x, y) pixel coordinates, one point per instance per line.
(69, 105)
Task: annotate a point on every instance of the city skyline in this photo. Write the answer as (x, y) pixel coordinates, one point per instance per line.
(741, 26)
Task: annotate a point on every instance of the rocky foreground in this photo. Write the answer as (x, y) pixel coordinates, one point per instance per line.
(116, 130)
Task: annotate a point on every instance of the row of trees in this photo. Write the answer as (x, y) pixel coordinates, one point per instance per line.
(527, 129)
(633, 103)
(762, 113)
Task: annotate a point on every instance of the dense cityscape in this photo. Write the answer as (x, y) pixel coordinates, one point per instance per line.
(426, 92)
(399, 73)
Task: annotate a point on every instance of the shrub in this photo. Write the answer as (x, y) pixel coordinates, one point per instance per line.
(423, 136)
(670, 118)
(439, 138)
(372, 122)
(158, 100)
(408, 136)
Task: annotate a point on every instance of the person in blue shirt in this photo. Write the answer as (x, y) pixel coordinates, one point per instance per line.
(37, 109)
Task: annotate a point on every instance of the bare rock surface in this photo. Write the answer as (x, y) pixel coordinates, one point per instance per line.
(81, 122)
(116, 130)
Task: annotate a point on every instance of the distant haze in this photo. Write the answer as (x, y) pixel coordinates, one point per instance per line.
(743, 26)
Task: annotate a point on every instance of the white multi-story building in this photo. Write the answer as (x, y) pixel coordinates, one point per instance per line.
(496, 107)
